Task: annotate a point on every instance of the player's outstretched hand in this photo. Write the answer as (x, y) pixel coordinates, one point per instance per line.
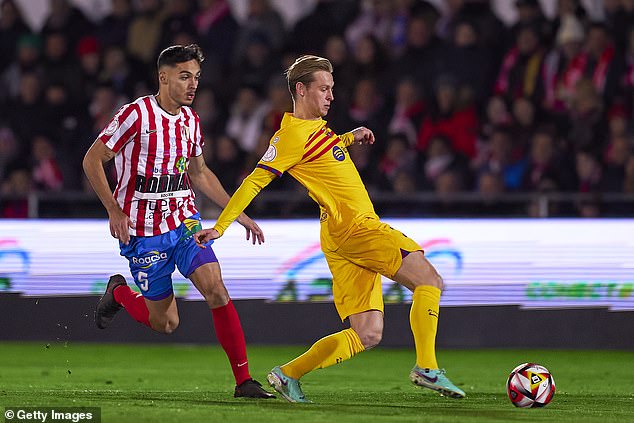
(119, 226)
(363, 135)
(254, 233)
(204, 236)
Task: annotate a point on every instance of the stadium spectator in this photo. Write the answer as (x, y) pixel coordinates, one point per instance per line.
(144, 33)
(628, 182)
(89, 55)
(565, 9)
(450, 116)
(359, 248)
(216, 30)
(278, 102)
(588, 126)
(627, 83)
(15, 189)
(408, 110)
(28, 60)
(246, 118)
(599, 62)
(212, 116)
(520, 73)
(369, 58)
(422, 58)
(529, 12)
(525, 118)
(9, 151)
(261, 19)
(113, 28)
(496, 115)
(619, 15)
(70, 21)
(178, 20)
(367, 108)
(12, 27)
(60, 64)
(399, 157)
(258, 66)
(46, 171)
(120, 72)
(499, 158)
(615, 159)
(326, 19)
(589, 172)
(545, 161)
(161, 218)
(227, 161)
(469, 62)
(21, 111)
(557, 72)
(438, 158)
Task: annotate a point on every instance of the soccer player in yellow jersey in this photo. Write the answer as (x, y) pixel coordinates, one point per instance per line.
(359, 248)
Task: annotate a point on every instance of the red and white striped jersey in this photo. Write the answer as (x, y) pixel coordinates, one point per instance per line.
(152, 150)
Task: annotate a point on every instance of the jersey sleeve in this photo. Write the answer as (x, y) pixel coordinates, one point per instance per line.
(122, 128)
(285, 151)
(199, 140)
(250, 187)
(347, 139)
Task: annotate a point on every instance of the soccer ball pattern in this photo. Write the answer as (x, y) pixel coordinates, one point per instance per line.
(530, 385)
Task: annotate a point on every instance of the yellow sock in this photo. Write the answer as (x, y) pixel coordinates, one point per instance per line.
(423, 318)
(333, 349)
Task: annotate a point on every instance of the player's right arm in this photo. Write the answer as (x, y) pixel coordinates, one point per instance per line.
(122, 128)
(97, 155)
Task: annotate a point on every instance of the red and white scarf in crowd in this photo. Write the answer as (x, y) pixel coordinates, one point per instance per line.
(529, 80)
(577, 69)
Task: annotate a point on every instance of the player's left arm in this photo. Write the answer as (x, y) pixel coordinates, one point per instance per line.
(206, 181)
(361, 135)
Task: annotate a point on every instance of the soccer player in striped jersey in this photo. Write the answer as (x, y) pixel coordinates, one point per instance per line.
(156, 143)
(359, 248)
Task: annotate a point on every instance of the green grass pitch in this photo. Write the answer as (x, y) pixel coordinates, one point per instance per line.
(191, 383)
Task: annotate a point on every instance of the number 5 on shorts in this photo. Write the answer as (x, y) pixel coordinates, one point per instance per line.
(143, 282)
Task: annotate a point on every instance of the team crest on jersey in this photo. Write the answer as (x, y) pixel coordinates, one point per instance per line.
(185, 133)
(270, 154)
(338, 153)
(112, 128)
(181, 165)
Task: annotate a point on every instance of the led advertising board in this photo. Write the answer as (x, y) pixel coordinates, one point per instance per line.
(531, 263)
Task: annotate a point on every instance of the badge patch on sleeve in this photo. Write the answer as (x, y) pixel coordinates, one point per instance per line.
(112, 128)
(270, 154)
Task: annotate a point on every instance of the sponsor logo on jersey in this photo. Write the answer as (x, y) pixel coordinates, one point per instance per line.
(338, 153)
(164, 184)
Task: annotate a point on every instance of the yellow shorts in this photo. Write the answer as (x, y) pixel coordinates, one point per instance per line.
(373, 249)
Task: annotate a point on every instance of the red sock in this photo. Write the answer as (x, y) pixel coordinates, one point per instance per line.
(230, 335)
(133, 303)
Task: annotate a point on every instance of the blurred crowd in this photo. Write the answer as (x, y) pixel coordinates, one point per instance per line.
(458, 101)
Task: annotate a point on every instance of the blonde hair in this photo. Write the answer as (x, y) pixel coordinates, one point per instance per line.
(303, 69)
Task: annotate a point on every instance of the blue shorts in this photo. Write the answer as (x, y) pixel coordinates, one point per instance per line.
(153, 258)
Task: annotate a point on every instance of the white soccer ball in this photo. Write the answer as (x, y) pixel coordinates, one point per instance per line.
(530, 385)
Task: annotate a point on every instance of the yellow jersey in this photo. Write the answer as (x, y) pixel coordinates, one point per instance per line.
(318, 159)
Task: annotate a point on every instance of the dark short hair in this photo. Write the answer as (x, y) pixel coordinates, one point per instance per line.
(180, 54)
